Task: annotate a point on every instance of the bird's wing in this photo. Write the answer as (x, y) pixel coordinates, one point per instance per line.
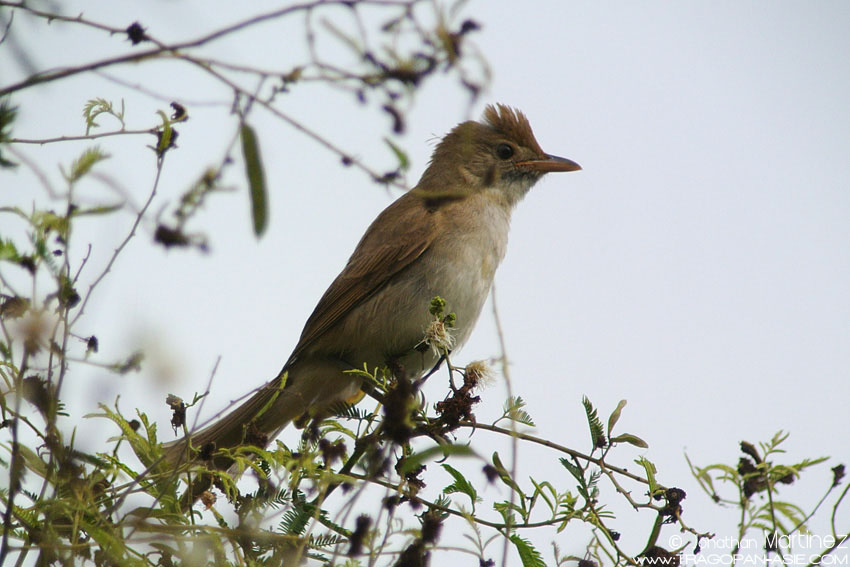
(387, 248)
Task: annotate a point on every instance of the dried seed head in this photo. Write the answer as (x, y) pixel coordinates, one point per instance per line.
(479, 374)
(438, 337)
(208, 499)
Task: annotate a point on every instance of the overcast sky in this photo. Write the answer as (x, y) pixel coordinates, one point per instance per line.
(698, 266)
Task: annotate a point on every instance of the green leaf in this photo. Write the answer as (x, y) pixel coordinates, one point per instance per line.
(504, 475)
(413, 461)
(702, 477)
(111, 544)
(650, 470)
(8, 251)
(540, 489)
(529, 556)
(15, 211)
(597, 435)
(294, 521)
(777, 440)
(256, 179)
(514, 411)
(146, 450)
(98, 106)
(99, 210)
(631, 440)
(282, 378)
(796, 516)
(574, 470)
(48, 220)
(32, 461)
(507, 511)
(83, 164)
(325, 540)
(460, 485)
(7, 117)
(806, 463)
(403, 160)
(615, 416)
(164, 135)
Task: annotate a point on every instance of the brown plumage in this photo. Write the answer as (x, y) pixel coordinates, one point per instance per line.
(444, 237)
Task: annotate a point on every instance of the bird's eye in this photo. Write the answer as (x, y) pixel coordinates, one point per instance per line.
(504, 151)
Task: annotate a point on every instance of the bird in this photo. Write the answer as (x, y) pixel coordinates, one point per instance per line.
(445, 237)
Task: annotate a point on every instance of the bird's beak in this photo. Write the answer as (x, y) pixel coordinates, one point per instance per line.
(549, 164)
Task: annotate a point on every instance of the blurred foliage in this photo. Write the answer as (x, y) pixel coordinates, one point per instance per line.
(320, 499)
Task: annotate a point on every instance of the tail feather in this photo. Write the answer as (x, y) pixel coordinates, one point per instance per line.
(257, 421)
(307, 386)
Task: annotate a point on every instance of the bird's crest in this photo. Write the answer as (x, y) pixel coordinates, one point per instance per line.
(512, 124)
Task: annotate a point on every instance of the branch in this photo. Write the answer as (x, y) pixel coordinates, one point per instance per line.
(130, 235)
(161, 48)
(557, 447)
(43, 141)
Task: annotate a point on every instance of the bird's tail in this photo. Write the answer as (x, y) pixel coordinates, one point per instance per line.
(256, 422)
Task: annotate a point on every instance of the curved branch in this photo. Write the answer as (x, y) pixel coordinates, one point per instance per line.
(162, 48)
(557, 447)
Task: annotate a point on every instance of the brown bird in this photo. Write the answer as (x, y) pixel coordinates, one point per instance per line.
(445, 237)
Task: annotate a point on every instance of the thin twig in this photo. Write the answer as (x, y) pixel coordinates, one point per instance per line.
(130, 235)
(42, 141)
(15, 467)
(553, 445)
(161, 49)
(513, 431)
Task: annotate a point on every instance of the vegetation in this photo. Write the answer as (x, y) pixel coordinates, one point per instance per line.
(382, 483)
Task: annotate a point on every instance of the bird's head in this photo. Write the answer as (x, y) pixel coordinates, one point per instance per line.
(499, 153)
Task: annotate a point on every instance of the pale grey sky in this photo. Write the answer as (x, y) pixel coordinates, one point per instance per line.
(698, 266)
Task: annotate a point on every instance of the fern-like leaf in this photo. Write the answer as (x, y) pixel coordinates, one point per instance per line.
(460, 484)
(83, 164)
(529, 556)
(324, 540)
(347, 411)
(7, 117)
(295, 520)
(514, 411)
(97, 106)
(597, 434)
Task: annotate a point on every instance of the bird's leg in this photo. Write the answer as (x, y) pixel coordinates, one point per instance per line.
(433, 370)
